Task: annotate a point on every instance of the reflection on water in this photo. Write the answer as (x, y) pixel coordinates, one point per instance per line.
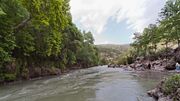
(93, 84)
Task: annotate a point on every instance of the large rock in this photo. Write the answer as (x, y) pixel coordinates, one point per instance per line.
(128, 68)
(177, 95)
(153, 93)
(159, 65)
(177, 54)
(111, 66)
(165, 99)
(140, 58)
(171, 64)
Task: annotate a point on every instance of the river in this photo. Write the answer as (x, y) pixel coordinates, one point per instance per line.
(92, 84)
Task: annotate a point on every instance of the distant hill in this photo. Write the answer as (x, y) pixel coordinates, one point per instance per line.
(110, 52)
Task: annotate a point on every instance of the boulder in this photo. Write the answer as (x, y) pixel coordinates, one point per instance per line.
(138, 65)
(177, 54)
(165, 99)
(170, 65)
(129, 68)
(177, 95)
(111, 66)
(158, 65)
(153, 93)
(140, 58)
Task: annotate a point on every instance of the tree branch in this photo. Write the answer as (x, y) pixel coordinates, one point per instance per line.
(22, 24)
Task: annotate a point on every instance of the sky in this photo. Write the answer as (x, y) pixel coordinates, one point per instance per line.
(115, 21)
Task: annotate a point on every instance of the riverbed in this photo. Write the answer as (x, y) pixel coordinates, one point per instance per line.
(93, 84)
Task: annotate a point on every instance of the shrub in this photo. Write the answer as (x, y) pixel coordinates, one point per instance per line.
(171, 84)
(9, 77)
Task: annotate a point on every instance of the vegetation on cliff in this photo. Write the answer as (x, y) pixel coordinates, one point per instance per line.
(38, 37)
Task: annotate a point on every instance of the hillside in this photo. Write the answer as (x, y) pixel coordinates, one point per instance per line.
(110, 52)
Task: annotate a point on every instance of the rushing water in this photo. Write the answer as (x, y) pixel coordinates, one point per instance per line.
(93, 84)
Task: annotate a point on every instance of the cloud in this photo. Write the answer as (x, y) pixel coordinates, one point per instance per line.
(93, 15)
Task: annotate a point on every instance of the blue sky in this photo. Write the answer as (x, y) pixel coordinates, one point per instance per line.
(114, 21)
(115, 33)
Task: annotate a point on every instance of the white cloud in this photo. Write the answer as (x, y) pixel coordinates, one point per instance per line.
(93, 14)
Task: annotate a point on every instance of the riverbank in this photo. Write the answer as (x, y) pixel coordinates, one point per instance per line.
(162, 61)
(167, 90)
(38, 73)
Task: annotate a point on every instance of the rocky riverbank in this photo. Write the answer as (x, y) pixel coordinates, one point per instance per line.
(160, 62)
(167, 89)
(35, 73)
(157, 65)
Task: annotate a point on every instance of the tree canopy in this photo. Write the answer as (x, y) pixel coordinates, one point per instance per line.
(165, 31)
(38, 34)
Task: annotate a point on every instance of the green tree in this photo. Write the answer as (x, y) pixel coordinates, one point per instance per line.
(170, 20)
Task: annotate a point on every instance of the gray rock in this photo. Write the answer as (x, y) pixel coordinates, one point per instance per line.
(170, 65)
(165, 99)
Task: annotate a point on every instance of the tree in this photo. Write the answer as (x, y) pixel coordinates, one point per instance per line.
(88, 55)
(170, 19)
(11, 14)
(40, 34)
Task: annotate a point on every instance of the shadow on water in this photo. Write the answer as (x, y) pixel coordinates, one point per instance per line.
(93, 84)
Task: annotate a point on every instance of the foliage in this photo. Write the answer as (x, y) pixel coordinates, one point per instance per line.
(126, 57)
(88, 54)
(9, 77)
(40, 34)
(171, 84)
(110, 53)
(166, 31)
(11, 13)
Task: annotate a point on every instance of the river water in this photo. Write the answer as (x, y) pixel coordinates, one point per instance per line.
(93, 84)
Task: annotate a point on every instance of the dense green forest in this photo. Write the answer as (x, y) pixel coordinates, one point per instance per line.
(157, 37)
(38, 37)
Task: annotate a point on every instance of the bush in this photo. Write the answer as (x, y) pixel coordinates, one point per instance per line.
(125, 60)
(171, 84)
(103, 61)
(122, 61)
(9, 77)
